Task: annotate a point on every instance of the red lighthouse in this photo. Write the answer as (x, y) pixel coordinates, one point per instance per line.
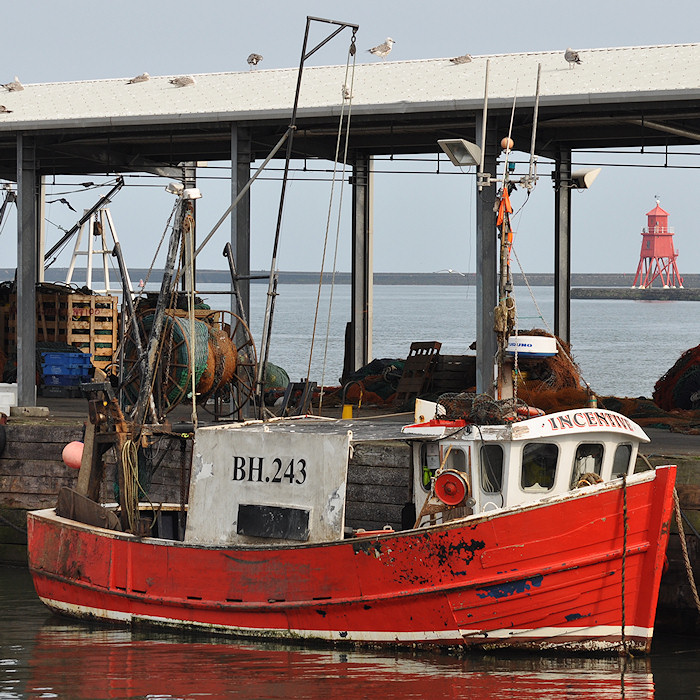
(657, 259)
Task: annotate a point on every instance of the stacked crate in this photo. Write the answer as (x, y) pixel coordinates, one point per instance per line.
(86, 321)
(61, 371)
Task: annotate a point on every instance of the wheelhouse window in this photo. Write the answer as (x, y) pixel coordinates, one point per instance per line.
(539, 466)
(491, 458)
(587, 460)
(456, 460)
(621, 461)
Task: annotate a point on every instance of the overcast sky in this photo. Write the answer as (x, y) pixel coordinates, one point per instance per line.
(422, 222)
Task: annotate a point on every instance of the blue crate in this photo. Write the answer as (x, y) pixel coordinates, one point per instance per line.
(61, 380)
(66, 359)
(65, 370)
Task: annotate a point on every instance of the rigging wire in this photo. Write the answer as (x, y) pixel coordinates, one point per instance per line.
(351, 54)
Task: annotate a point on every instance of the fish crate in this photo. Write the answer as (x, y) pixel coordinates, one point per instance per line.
(73, 367)
(92, 326)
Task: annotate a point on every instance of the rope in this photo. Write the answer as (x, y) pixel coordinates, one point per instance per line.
(131, 482)
(351, 54)
(623, 641)
(132, 486)
(684, 549)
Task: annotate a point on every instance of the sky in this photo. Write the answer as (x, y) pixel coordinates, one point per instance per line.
(423, 222)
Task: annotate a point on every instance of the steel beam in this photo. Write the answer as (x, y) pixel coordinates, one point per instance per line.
(361, 311)
(27, 236)
(486, 264)
(240, 218)
(562, 243)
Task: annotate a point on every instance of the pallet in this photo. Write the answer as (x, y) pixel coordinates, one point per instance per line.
(88, 322)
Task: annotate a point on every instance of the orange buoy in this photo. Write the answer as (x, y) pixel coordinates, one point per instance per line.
(507, 143)
(451, 487)
(73, 454)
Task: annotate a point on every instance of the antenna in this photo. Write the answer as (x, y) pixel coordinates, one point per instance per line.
(531, 175)
(480, 174)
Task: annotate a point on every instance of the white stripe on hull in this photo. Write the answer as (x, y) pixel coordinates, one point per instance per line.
(598, 637)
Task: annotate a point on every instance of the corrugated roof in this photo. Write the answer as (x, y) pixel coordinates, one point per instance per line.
(643, 73)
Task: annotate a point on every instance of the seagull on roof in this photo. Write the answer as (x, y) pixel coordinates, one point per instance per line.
(182, 81)
(571, 57)
(383, 50)
(4, 110)
(139, 79)
(457, 60)
(254, 59)
(14, 86)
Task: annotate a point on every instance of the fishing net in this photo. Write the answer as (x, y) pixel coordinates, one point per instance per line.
(680, 386)
(481, 409)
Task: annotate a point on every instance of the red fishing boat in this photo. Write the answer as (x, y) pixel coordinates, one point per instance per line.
(504, 552)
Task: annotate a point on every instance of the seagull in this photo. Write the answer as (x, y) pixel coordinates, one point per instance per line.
(384, 49)
(457, 60)
(254, 59)
(139, 79)
(571, 57)
(62, 200)
(14, 86)
(182, 81)
(345, 91)
(4, 110)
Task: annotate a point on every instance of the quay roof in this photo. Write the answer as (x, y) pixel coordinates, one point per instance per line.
(616, 96)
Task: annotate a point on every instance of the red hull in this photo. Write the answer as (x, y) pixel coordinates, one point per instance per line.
(547, 575)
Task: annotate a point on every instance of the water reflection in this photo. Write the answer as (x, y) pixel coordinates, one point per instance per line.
(80, 661)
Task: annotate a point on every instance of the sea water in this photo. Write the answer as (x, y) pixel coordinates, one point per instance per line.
(622, 347)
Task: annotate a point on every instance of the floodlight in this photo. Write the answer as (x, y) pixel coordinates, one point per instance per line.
(461, 152)
(583, 179)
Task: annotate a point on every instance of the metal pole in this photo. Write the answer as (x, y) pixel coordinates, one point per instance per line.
(159, 315)
(272, 282)
(242, 193)
(562, 244)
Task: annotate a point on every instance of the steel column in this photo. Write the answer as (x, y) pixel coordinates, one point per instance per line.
(361, 311)
(240, 218)
(41, 229)
(27, 235)
(562, 244)
(486, 264)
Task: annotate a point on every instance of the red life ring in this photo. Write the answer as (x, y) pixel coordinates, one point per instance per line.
(529, 411)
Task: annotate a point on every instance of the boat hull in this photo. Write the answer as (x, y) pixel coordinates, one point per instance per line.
(550, 575)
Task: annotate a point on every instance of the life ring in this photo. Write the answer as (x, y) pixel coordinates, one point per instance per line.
(529, 411)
